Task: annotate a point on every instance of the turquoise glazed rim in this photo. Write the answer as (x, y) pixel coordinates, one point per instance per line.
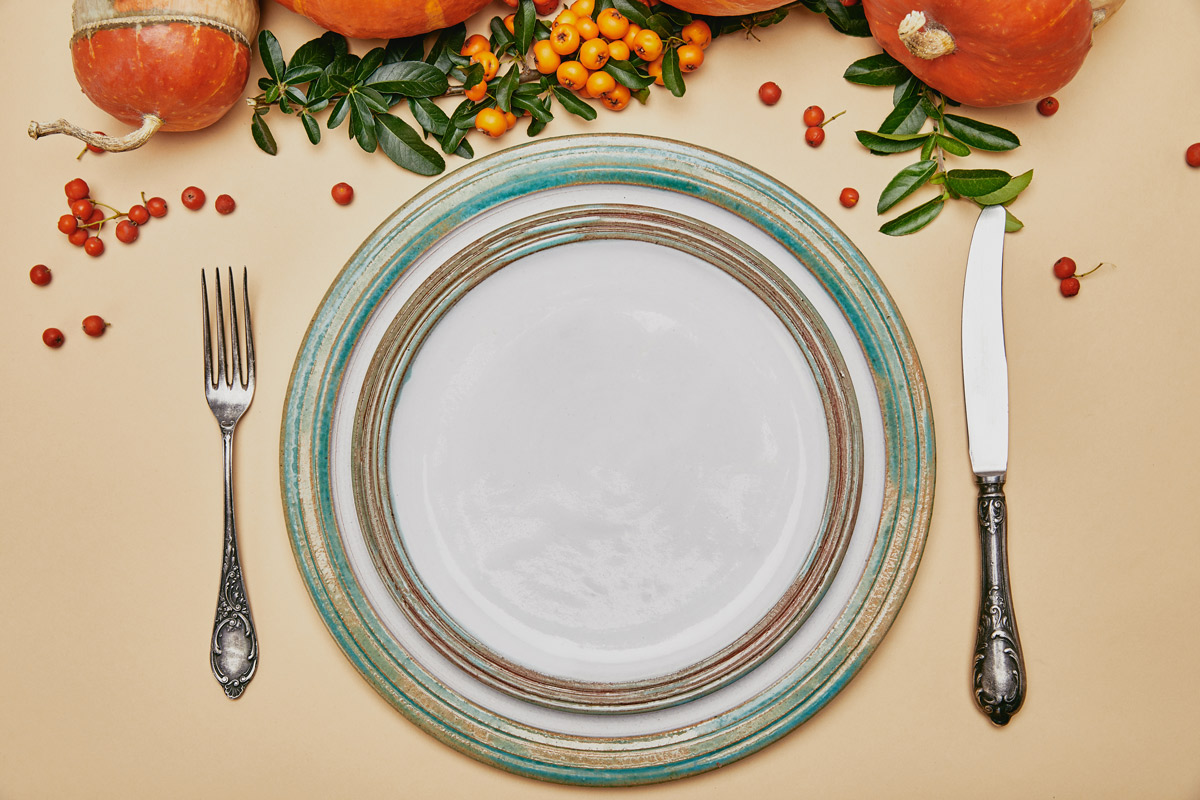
(306, 438)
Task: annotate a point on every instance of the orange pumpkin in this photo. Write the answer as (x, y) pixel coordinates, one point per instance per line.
(727, 8)
(384, 19)
(989, 54)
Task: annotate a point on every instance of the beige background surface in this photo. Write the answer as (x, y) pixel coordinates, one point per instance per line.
(110, 462)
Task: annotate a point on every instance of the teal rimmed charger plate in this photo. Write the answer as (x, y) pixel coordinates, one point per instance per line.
(817, 646)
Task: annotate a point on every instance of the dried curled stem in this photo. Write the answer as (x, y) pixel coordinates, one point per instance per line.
(925, 38)
(113, 144)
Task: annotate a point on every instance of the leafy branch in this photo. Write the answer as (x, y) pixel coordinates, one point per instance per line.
(919, 120)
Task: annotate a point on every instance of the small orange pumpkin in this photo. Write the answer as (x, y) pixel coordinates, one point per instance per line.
(384, 19)
(989, 54)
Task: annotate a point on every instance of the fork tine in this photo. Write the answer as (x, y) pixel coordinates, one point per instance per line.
(234, 337)
(224, 381)
(208, 376)
(249, 331)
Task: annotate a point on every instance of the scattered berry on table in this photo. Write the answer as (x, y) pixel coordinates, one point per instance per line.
(139, 215)
(80, 237)
(83, 209)
(94, 246)
(1068, 278)
(814, 116)
(127, 232)
(1069, 287)
(849, 197)
(68, 223)
(343, 193)
(224, 204)
(1048, 106)
(157, 207)
(814, 136)
(94, 325)
(1064, 268)
(39, 275)
(52, 337)
(192, 197)
(77, 189)
(770, 93)
(1193, 155)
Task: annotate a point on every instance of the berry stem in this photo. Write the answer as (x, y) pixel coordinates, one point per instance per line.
(831, 119)
(1093, 269)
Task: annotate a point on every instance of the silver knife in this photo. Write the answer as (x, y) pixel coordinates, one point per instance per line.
(999, 668)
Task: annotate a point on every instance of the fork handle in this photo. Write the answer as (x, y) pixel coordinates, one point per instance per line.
(234, 651)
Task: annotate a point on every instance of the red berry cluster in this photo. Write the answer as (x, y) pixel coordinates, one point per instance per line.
(83, 225)
(1068, 278)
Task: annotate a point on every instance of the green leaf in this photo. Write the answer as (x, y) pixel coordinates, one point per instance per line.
(404, 146)
(464, 114)
(453, 138)
(877, 70)
(336, 41)
(340, 109)
(506, 86)
(635, 10)
(311, 127)
(471, 76)
(362, 123)
(409, 78)
(501, 38)
(1011, 223)
(370, 62)
(980, 135)
(523, 25)
(450, 40)
(953, 146)
(849, 20)
(302, 73)
(317, 53)
(600, 6)
(536, 126)
(464, 150)
(271, 54)
(672, 77)
(977, 182)
(891, 142)
(374, 100)
(284, 105)
(907, 181)
(1008, 192)
(272, 93)
(410, 48)
(574, 104)
(262, 135)
(927, 149)
(907, 117)
(909, 87)
(296, 95)
(427, 114)
(627, 75)
(534, 106)
(913, 221)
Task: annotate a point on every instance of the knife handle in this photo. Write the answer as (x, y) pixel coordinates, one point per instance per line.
(999, 672)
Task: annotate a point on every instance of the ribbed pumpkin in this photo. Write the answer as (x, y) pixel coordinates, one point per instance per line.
(993, 53)
(384, 19)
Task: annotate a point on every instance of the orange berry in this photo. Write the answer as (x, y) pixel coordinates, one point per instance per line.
(698, 33)
(510, 22)
(544, 57)
(631, 35)
(510, 119)
(613, 24)
(583, 8)
(616, 98)
(600, 82)
(487, 59)
(618, 51)
(691, 56)
(587, 27)
(564, 39)
(654, 70)
(475, 43)
(572, 75)
(491, 121)
(648, 45)
(566, 17)
(476, 92)
(594, 53)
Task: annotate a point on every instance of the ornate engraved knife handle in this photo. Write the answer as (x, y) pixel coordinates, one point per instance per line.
(999, 673)
(234, 650)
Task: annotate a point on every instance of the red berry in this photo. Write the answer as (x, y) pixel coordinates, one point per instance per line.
(93, 246)
(813, 116)
(770, 93)
(82, 209)
(192, 197)
(814, 136)
(94, 325)
(39, 275)
(1069, 287)
(67, 223)
(96, 218)
(77, 189)
(224, 204)
(343, 193)
(80, 237)
(52, 337)
(1047, 106)
(849, 3)
(544, 7)
(1193, 155)
(1064, 268)
(93, 147)
(849, 197)
(157, 207)
(138, 215)
(127, 232)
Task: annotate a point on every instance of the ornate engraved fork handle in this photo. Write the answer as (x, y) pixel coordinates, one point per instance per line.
(234, 652)
(999, 673)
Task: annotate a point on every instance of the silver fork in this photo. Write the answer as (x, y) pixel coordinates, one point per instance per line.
(234, 650)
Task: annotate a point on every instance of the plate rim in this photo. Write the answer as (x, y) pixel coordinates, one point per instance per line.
(909, 481)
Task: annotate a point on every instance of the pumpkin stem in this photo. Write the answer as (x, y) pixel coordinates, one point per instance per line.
(1103, 9)
(113, 144)
(925, 38)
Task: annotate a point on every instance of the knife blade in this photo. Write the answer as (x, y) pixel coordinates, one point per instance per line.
(999, 666)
